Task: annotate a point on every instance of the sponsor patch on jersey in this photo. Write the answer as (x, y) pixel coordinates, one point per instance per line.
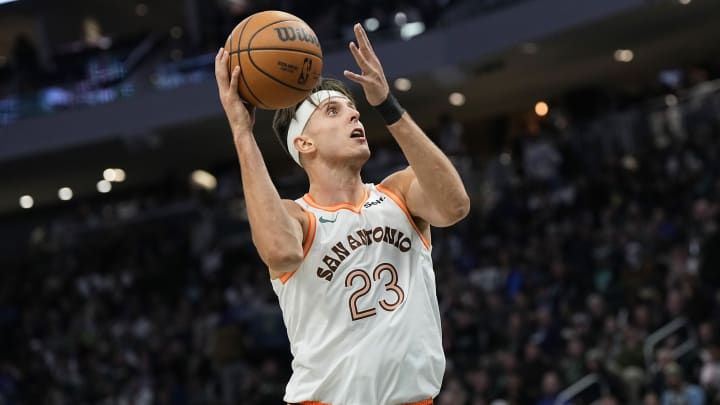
(375, 202)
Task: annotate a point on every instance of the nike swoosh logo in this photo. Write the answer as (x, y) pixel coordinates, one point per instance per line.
(325, 220)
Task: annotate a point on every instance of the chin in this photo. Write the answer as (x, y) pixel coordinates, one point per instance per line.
(358, 159)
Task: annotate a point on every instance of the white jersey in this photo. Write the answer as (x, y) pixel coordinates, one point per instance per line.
(361, 311)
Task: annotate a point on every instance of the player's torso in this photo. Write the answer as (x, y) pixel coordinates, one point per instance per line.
(361, 311)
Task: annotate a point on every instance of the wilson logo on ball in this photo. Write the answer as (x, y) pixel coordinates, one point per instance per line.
(296, 34)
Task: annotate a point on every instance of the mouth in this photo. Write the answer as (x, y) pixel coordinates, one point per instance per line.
(357, 133)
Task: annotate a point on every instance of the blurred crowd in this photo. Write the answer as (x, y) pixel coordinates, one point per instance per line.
(590, 255)
(595, 235)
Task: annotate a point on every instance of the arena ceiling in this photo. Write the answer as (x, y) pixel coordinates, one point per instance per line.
(662, 35)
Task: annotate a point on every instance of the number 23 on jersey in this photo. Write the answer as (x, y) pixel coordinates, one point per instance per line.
(365, 285)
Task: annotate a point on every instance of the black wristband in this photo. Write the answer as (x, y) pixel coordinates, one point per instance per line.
(390, 109)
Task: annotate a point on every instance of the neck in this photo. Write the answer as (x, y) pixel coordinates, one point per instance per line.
(330, 186)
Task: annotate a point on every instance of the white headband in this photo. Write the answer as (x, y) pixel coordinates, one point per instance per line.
(302, 115)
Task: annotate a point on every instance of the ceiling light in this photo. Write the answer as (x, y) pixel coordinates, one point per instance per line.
(109, 174)
(456, 99)
(541, 108)
(624, 55)
(203, 179)
(26, 202)
(400, 19)
(372, 24)
(119, 175)
(684, 2)
(104, 186)
(114, 175)
(65, 193)
(403, 84)
(410, 30)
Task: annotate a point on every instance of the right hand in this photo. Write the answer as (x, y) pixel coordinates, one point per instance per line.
(240, 115)
(371, 76)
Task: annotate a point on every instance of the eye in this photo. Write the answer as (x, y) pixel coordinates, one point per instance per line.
(332, 111)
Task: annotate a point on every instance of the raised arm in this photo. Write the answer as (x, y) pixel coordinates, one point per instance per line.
(277, 225)
(431, 186)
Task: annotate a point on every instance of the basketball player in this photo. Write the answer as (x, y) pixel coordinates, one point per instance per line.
(350, 262)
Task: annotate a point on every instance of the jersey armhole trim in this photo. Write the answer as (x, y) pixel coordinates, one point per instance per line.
(307, 244)
(401, 203)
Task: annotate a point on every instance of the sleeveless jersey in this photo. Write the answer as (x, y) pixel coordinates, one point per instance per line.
(361, 310)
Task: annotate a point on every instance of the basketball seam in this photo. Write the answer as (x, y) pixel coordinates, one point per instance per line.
(261, 70)
(278, 49)
(242, 76)
(252, 93)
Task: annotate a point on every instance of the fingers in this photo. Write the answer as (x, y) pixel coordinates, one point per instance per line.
(360, 79)
(234, 79)
(220, 69)
(361, 36)
(362, 51)
(359, 58)
(221, 73)
(363, 44)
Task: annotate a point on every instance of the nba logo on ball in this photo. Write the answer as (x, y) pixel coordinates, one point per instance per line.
(305, 71)
(280, 59)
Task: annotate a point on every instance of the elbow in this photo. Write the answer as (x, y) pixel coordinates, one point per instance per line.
(279, 256)
(459, 209)
(465, 206)
(283, 260)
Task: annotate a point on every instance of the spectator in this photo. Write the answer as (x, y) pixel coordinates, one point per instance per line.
(678, 391)
(710, 372)
(573, 362)
(550, 388)
(541, 160)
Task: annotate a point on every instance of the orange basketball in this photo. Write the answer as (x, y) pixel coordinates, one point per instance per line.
(279, 56)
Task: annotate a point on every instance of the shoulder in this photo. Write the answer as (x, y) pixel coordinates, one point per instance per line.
(399, 187)
(399, 182)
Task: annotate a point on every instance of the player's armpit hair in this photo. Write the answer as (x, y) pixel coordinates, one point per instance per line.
(283, 117)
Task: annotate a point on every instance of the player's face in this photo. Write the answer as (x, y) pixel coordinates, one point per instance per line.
(337, 132)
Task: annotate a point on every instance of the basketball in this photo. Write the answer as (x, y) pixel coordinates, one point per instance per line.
(280, 59)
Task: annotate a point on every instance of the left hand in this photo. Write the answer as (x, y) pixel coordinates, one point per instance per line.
(240, 115)
(372, 79)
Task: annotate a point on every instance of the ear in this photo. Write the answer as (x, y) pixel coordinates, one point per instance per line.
(304, 144)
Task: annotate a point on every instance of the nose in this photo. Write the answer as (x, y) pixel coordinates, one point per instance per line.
(354, 115)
